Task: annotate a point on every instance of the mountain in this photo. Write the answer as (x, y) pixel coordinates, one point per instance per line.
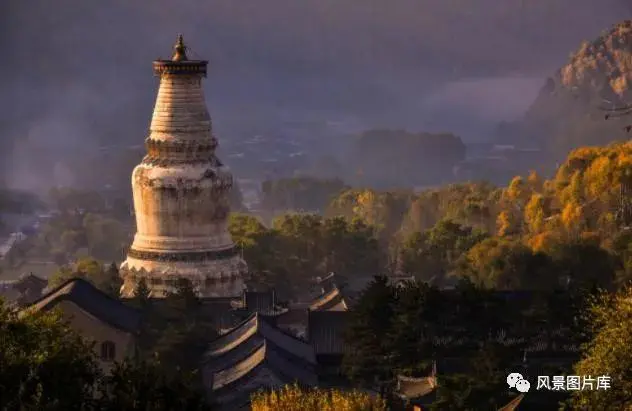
(570, 109)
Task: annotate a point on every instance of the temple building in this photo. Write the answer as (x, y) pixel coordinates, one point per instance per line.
(108, 322)
(255, 355)
(181, 193)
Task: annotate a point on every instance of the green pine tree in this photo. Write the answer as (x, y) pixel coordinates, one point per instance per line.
(369, 355)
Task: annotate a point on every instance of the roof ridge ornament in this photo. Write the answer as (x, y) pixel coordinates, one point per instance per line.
(180, 50)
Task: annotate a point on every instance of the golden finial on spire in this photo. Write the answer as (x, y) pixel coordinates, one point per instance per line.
(181, 50)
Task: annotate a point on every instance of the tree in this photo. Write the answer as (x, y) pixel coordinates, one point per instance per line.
(89, 269)
(431, 255)
(146, 334)
(481, 386)
(293, 398)
(506, 224)
(182, 332)
(141, 294)
(143, 385)
(415, 324)
(534, 181)
(535, 213)
(369, 354)
(506, 264)
(584, 263)
(44, 364)
(106, 237)
(608, 353)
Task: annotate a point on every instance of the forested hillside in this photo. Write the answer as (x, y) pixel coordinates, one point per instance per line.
(496, 236)
(568, 113)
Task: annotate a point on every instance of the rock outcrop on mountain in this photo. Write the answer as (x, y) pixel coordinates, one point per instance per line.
(570, 110)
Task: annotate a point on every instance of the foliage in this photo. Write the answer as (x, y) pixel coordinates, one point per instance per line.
(70, 200)
(472, 204)
(293, 398)
(105, 278)
(562, 229)
(507, 264)
(143, 385)
(44, 365)
(480, 386)
(608, 353)
(383, 210)
(412, 339)
(369, 355)
(565, 115)
(300, 246)
(431, 255)
(460, 329)
(100, 235)
(175, 329)
(305, 194)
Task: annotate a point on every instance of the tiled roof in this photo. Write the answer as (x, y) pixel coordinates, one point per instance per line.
(265, 354)
(233, 362)
(333, 300)
(328, 282)
(233, 338)
(92, 300)
(258, 326)
(411, 388)
(513, 404)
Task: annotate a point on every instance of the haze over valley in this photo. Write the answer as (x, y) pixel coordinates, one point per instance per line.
(289, 84)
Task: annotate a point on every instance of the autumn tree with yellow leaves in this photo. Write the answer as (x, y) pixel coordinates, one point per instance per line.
(293, 398)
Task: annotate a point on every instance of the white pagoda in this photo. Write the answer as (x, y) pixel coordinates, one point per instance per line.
(181, 193)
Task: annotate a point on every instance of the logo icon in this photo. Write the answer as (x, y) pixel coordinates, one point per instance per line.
(517, 381)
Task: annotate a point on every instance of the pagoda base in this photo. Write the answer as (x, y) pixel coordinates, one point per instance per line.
(210, 278)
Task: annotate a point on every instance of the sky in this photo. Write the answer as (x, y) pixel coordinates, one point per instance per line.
(77, 74)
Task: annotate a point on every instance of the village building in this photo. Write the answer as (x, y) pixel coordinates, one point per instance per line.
(180, 192)
(109, 323)
(23, 291)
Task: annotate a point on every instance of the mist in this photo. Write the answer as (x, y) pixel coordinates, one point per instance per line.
(77, 75)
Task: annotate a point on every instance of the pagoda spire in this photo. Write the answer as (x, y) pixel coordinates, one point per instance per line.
(180, 50)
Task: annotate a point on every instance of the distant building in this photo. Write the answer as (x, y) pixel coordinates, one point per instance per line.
(10, 243)
(23, 291)
(30, 288)
(97, 317)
